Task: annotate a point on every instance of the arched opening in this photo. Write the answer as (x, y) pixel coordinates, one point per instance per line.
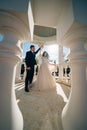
(53, 51)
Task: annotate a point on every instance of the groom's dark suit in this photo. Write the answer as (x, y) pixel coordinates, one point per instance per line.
(30, 62)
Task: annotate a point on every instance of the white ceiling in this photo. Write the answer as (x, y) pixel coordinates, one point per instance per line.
(47, 12)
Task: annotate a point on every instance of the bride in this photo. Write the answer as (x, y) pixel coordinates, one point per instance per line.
(44, 79)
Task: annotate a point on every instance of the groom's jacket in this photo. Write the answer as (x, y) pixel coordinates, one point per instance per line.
(30, 58)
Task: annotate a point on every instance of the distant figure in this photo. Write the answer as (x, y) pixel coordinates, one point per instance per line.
(30, 62)
(57, 72)
(68, 71)
(63, 71)
(22, 71)
(54, 61)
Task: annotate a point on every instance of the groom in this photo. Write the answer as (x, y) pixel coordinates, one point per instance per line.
(30, 62)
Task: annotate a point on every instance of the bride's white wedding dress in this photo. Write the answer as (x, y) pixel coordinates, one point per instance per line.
(44, 79)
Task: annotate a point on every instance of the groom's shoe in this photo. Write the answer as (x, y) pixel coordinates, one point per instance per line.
(27, 90)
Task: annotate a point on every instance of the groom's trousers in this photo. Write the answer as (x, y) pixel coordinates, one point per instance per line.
(29, 78)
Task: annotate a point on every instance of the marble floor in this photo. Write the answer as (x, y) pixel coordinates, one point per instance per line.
(42, 110)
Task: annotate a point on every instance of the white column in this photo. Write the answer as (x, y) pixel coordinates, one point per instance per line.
(10, 115)
(18, 66)
(74, 115)
(18, 70)
(60, 62)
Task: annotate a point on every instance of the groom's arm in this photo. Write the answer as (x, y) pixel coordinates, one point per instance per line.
(37, 51)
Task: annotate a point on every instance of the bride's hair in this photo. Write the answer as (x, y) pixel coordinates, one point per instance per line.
(45, 54)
